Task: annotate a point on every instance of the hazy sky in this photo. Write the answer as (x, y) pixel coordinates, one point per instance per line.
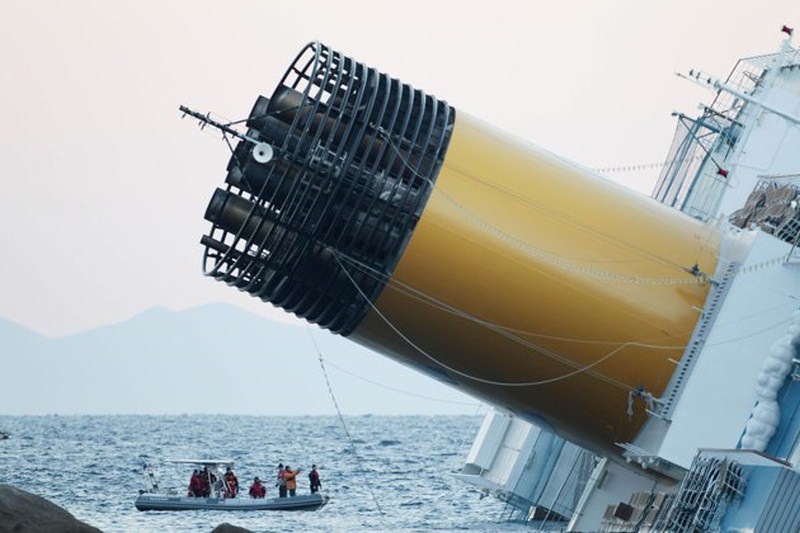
(104, 186)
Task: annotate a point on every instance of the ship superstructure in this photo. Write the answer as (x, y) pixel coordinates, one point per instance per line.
(657, 335)
(720, 449)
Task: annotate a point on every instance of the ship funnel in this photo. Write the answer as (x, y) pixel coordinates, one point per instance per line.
(429, 236)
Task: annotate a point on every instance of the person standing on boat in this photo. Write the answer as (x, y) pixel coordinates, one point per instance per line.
(313, 478)
(257, 490)
(195, 485)
(207, 479)
(231, 483)
(281, 481)
(291, 480)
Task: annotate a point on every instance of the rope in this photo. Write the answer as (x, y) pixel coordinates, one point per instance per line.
(344, 424)
(471, 377)
(561, 216)
(478, 406)
(399, 391)
(467, 435)
(420, 296)
(509, 334)
(556, 261)
(455, 463)
(752, 334)
(545, 256)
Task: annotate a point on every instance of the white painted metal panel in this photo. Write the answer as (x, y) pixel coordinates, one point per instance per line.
(490, 437)
(720, 392)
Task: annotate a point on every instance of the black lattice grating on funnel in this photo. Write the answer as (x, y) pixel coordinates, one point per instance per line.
(355, 156)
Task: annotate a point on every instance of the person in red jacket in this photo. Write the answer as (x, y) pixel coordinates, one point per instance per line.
(195, 485)
(257, 490)
(291, 480)
(231, 483)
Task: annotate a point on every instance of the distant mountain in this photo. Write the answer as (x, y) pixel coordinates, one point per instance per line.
(215, 358)
(16, 336)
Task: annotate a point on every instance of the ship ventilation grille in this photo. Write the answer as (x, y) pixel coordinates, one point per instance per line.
(707, 490)
(355, 155)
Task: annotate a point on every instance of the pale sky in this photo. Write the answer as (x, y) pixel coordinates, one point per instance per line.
(104, 186)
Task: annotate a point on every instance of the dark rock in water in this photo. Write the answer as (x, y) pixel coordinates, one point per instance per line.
(228, 528)
(23, 511)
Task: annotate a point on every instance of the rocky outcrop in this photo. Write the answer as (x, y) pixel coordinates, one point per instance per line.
(228, 528)
(23, 511)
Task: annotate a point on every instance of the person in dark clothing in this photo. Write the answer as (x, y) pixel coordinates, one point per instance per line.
(206, 480)
(257, 490)
(281, 481)
(313, 479)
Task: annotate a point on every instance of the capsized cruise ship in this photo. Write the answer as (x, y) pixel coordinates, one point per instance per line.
(641, 353)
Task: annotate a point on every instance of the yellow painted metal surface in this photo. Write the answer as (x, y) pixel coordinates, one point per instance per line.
(542, 288)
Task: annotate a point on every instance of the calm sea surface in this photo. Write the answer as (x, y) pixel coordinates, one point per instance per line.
(91, 466)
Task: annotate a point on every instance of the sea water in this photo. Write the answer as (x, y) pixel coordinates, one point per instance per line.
(382, 473)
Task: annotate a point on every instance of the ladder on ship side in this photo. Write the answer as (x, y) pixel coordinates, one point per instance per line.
(719, 288)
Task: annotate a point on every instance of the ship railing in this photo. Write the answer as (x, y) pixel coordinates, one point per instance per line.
(691, 180)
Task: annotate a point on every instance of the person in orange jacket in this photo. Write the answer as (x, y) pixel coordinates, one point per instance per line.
(291, 480)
